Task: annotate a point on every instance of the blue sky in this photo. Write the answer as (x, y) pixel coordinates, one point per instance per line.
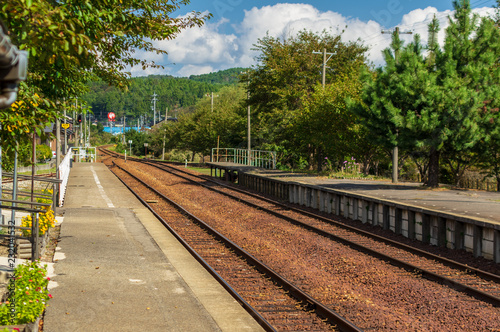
(225, 41)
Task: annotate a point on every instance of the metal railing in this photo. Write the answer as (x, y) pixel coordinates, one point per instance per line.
(64, 170)
(50, 182)
(14, 232)
(256, 158)
(84, 154)
(488, 185)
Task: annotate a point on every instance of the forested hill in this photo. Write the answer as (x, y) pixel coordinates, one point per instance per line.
(225, 77)
(172, 92)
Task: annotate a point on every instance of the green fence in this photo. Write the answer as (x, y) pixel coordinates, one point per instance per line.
(256, 158)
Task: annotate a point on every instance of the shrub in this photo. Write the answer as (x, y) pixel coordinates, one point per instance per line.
(29, 297)
(45, 220)
(43, 152)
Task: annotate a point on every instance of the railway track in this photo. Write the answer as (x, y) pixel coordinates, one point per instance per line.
(263, 292)
(480, 284)
(475, 283)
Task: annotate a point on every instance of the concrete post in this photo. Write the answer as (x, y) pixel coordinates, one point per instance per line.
(477, 241)
(459, 236)
(411, 224)
(386, 217)
(496, 246)
(441, 232)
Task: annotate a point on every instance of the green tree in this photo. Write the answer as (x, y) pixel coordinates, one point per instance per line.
(433, 102)
(284, 94)
(72, 41)
(326, 123)
(201, 130)
(489, 147)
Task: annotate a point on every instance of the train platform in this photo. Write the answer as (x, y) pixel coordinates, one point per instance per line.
(476, 204)
(456, 219)
(117, 269)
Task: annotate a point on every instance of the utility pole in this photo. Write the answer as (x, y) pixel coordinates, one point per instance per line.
(89, 126)
(211, 95)
(325, 60)
(154, 108)
(65, 132)
(163, 154)
(124, 128)
(249, 146)
(395, 151)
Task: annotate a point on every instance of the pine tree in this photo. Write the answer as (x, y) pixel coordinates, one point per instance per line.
(433, 102)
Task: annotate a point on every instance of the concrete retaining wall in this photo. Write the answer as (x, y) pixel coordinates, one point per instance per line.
(429, 226)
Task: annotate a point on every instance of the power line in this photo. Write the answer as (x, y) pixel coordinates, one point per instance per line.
(375, 39)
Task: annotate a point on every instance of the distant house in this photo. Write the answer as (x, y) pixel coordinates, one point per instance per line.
(169, 119)
(51, 142)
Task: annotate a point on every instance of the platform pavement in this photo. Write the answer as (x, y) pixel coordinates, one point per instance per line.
(117, 269)
(476, 204)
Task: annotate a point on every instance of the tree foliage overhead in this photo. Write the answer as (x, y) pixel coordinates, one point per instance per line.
(93, 36)
(72, 41)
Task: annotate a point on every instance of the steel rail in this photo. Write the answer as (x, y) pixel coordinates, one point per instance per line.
(473, 292)
(450, 263)
(322, 311)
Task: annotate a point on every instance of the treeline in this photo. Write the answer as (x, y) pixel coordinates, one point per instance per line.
(178, 94)
(225, 77)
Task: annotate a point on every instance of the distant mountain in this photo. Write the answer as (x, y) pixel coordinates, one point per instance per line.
(224, 77)
(175, 93)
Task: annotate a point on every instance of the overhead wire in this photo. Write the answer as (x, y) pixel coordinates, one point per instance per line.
(377, 38)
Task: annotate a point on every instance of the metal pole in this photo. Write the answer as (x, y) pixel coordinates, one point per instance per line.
(324, 68)
(249, 148)
(89, 126)
(12, 231)
(124, 126)
(1, 215)
(154, 108)
(58, 161)
(33, 166)
(76, 124)
(163, 154)
(84, 129)
(65, 132)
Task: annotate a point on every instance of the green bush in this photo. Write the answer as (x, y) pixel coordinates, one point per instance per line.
(29, 297)
(43, 152)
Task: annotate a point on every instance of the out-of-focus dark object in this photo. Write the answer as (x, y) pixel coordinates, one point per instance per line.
(13, 69)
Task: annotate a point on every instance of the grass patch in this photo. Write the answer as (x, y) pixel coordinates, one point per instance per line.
(201, 170)
(42, 171)
(355, 176)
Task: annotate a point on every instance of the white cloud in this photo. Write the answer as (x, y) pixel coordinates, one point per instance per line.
(189, 70)
(209, 48)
